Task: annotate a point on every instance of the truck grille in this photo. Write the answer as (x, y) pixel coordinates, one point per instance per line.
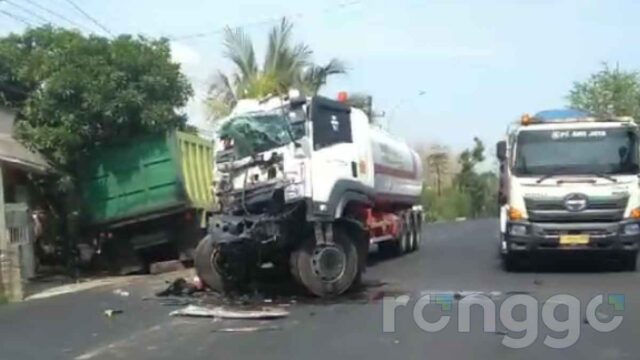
(598, 209)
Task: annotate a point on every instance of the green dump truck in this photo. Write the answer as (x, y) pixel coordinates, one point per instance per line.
(148, 199)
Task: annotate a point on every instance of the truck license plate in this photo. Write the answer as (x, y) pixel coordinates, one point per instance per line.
(574, 239)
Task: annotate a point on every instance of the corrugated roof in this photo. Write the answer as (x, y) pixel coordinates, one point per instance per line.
(13, 152)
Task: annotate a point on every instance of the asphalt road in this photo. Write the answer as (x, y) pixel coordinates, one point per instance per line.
(457, 262)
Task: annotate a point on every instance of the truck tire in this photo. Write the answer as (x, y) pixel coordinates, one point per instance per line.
(207, 262)
(406, 236)
(629, 261)
(511, 262)
(397, 246)
(326, 270)
(417, 232)
(293, 266)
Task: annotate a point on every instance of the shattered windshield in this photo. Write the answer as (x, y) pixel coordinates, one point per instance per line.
(255, 133)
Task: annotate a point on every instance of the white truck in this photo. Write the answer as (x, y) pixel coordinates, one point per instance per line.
(569, 182)
(305, 185)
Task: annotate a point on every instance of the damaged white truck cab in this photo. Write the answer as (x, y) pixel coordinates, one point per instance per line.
(569, 183)
(304, 185)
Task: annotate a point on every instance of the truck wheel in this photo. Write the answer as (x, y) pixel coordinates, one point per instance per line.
(629, 261)
(326, 270)
(406, 237)
(397, 246)
(511, 262)
(210, 264)
(293, 266)
(415, 234)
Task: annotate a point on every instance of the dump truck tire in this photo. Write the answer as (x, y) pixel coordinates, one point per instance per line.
(326, 270)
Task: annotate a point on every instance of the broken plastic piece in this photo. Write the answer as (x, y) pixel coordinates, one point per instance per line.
(225, 313)
(121, 292)
(248, 329)
(112, 312)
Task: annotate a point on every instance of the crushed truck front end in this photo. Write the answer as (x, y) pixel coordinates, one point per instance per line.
(300, 192)
(570, 186)
(270, 216)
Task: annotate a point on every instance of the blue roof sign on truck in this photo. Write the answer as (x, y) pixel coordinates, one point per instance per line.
(561, 115)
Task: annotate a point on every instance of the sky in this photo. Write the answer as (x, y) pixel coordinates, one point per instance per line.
(443, 71)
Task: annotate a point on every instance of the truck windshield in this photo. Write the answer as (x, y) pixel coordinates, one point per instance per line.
(592, 151)
(255, 133)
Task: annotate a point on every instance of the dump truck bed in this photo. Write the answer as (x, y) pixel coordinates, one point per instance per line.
(152, 174)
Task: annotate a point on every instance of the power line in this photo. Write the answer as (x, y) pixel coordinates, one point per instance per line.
(339, 6)
(16, 17)
(59, 16)
(85, 14)
(219, 30)
(27, 11)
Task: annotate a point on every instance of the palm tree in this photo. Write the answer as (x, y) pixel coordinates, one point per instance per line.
(285, 66)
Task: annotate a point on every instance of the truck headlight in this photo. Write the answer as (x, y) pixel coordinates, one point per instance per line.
(515, 214)
(632, 229)
(518, 230)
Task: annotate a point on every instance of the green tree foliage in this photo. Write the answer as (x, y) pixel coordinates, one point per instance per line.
(610, 91)
(468, 181)
(74, 92)
(286, 65)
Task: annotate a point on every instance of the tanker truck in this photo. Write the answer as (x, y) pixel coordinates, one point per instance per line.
(305, 185)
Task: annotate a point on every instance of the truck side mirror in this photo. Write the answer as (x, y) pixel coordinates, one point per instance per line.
(501, 150)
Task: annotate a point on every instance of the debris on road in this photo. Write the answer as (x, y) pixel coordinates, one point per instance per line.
(459, 295)
(112, 312)
(121, 292)
(179, 287)
(172, 301)
(225, 313)
(248, 329)
(165, 267)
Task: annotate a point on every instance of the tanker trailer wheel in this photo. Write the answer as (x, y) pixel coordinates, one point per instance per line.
(416, 232)
(406, 237)
(327, 269)
(400, 244)
(212, 267)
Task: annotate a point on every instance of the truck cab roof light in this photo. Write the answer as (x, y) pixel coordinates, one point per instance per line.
(568, 116)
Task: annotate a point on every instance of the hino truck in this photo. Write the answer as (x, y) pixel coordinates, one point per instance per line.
(569, 184)
(305, 185)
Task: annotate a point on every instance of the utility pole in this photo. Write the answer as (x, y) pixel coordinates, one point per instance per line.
(5, 248)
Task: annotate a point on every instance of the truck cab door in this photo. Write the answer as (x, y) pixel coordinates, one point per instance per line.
(334, 156)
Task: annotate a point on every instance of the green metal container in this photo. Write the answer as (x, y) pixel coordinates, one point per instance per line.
(146, 176)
